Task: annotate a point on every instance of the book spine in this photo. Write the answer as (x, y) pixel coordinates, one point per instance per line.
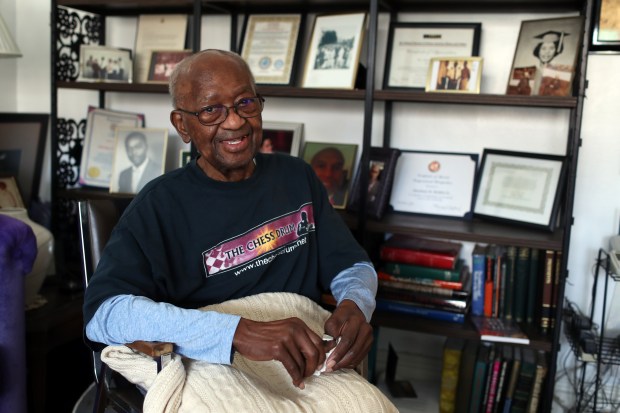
(556, 285)
(497, 284)
(451, 285)
(541, 372)
(417, 257)
(509, 293)
(547, 291)
(477, 281)
(522, 266)
(389, 280)
(423, 299)
(488, 286)
(493, 384)
(479, 379)
(532, 287)
(418, 272)
(412, 309)
(449, 378)
(523, 390)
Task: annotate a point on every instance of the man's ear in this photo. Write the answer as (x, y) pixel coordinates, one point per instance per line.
(176, 119)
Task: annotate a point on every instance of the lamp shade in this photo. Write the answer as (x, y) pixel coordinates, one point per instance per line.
(8, 47)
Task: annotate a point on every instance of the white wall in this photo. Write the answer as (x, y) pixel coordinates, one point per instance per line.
(8, 66)
(597, 204)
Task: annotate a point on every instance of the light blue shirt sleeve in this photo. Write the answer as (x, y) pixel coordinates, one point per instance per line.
(358, 284)
(200, 335)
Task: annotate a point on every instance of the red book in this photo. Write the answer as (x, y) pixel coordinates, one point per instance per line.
(421, 251)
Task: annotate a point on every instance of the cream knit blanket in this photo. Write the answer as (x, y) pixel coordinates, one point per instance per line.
(191, 386)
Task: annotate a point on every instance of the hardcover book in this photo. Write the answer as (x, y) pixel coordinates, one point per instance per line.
(522, 267)
(479, 378)
(539, 377)
(515, 370)
(525, 382)
(421, 272)
(547, 290)
(532, 287)
(449, 288)
(419, 311)
(478, 271)
(421, 251)
(499, 330)
(452, 352)
(466, 375)
(426, 300)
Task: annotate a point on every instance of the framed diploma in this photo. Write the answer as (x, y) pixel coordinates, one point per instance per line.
(99, 142)
(412, 45)
(520, 187)
(334, 51)
(606, 33)
(270, 43)
(435, 183)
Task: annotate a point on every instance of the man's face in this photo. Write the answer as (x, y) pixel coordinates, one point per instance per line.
(227, 149)
(136, 150)
(329, 167)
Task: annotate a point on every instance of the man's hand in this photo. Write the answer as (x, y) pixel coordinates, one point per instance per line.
(348, 324)
(289, 341)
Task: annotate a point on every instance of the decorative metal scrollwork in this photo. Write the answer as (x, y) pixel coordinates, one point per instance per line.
(74, 29)
(69, 151)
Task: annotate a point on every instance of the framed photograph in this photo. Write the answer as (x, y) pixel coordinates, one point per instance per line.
(454, 75)
(380, 179)
(184, 157)
(546, 56)
(105, 64)
(139, 157)
(9, 193)
(99, 141)
(333, 56)
(435, 183)
(411, 46)
(163, 63)
(520, 187)
(22, 145)
(270, 44)
(606, 30)
(283, 137)
(333, 163)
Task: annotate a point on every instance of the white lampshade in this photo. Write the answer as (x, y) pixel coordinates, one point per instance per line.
(8, 47)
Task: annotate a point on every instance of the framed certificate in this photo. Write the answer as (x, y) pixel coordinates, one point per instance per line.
(411, 46)
(520, 187)
(435, 183)
(269, 46)
(606, 33)
(334, 51)
(99, 140)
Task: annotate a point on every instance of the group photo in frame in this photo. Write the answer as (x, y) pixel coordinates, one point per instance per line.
(105, 64)
(411, 46)
(435, 183)
(334, 164)
(545, 58)
(270, 47)
(606, 28)
(163, 63)
(381, 170)
(282, 137)
(520, 188)
(139, 157)
(454, 75)
(22, 146)
(10, 197)
(333, 55)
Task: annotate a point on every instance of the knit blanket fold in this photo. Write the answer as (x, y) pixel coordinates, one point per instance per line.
(189, 386)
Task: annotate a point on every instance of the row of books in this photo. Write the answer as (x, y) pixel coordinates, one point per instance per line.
(515, 283)
(490, 377)
(425, 278)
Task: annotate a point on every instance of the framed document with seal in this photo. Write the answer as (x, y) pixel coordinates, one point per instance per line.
(520, 187)
(411, 46)
(435, 183)
(269, 46)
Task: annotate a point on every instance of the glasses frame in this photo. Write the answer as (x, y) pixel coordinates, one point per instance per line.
(235, 107)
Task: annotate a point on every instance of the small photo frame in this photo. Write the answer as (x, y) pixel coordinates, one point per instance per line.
(105, 64)
(282, 137)
(184, 157)
(546, 57)
(606, 30)
(380, 178)
(163, 63)
(454, 75)
(270, 45)
(412, 45)
(334, 52)
(22, 147)
(10, 197)
(333, 163)
(435, 183)
(520, 187)
(139, 157)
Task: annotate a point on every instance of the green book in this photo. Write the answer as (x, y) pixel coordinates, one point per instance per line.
(418, 271)
(525, 382)
(480, 375)
(509, 292)
(532, 288)
(522, 269)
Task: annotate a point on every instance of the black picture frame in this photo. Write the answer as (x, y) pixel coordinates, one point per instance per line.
(434, 30)
(383, 161)
(606, 27)
(521, 188)
(22, 144)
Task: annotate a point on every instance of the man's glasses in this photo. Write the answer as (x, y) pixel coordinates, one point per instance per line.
(216, 114)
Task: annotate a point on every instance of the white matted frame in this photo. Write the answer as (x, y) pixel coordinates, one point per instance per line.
(334, 52)
(283, 137)
(454, 75)
(520, 187)
(154, 154)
